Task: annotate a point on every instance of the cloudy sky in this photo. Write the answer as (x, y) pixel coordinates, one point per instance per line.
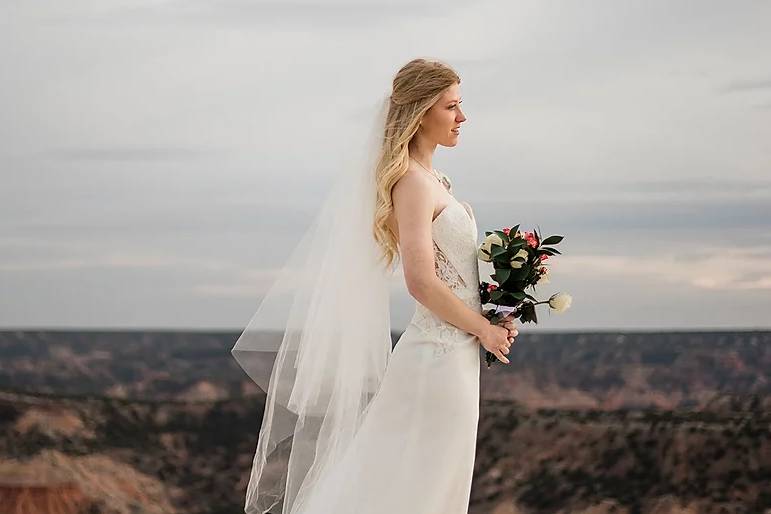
(156, 155)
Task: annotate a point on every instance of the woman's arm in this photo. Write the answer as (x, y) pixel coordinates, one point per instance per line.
(413, 200)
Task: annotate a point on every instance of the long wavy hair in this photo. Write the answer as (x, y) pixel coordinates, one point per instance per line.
(416, 87)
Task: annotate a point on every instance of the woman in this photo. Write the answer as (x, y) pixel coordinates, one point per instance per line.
(350, 425)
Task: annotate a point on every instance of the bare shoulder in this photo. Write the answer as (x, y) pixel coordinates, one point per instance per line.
(413, 200)
(413, 184)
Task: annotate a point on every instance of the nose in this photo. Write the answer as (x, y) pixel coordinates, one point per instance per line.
(461, 117)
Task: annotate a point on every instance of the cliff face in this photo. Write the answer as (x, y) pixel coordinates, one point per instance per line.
(654, 423)
(194, 457)
(53, 482)
(610, 371)
(105, 455)
(711, 460)
(582, 370)
(63, 498)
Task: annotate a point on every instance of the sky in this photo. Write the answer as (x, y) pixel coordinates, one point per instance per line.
(158, 157)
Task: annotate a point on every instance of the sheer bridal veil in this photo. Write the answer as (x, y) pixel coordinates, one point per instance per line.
(323, 366)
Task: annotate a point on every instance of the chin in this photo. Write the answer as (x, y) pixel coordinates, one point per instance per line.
(450, 141)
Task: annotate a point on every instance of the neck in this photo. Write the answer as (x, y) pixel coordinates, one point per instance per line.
(422, 151)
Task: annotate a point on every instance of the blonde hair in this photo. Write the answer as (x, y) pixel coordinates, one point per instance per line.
(416, 87)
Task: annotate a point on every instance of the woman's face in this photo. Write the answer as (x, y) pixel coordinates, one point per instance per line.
(441, 122)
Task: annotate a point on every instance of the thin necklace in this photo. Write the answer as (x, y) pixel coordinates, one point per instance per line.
(433, 172)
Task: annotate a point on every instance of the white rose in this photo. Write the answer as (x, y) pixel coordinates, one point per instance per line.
(483, 255)
(518, 264)
(560, 302)
(494, 239)
(485, 249)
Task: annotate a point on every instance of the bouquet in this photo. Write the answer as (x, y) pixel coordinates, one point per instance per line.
(519, 260)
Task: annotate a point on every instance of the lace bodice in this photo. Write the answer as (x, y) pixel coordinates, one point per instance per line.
(455, 261)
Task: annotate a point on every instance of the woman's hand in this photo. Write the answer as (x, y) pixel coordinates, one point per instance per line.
(508, 322)
(497, 339)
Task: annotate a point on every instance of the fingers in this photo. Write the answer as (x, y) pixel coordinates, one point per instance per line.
(500, 356)
(513, 331)
(509, 341)
(509, 325)
(505, 348)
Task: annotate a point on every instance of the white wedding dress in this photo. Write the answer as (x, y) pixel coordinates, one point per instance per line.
(414, 452)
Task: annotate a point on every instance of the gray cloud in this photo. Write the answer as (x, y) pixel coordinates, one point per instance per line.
(746, 85)
(170, 152)
(318, 15)
(129, 154)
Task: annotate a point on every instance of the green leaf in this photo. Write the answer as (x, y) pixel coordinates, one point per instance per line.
(528, 313)
(501, 275)
(552, 240)
(518, 295)
(521, 273)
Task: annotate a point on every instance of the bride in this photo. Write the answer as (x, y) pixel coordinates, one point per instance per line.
(352, 425)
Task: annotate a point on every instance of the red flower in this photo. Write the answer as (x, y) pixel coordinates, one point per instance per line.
(543, 257)
(506, 231)
(492, 287)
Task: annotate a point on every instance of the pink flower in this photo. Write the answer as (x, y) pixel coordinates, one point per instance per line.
(506, 231)
(543, 256)
(492, 287)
